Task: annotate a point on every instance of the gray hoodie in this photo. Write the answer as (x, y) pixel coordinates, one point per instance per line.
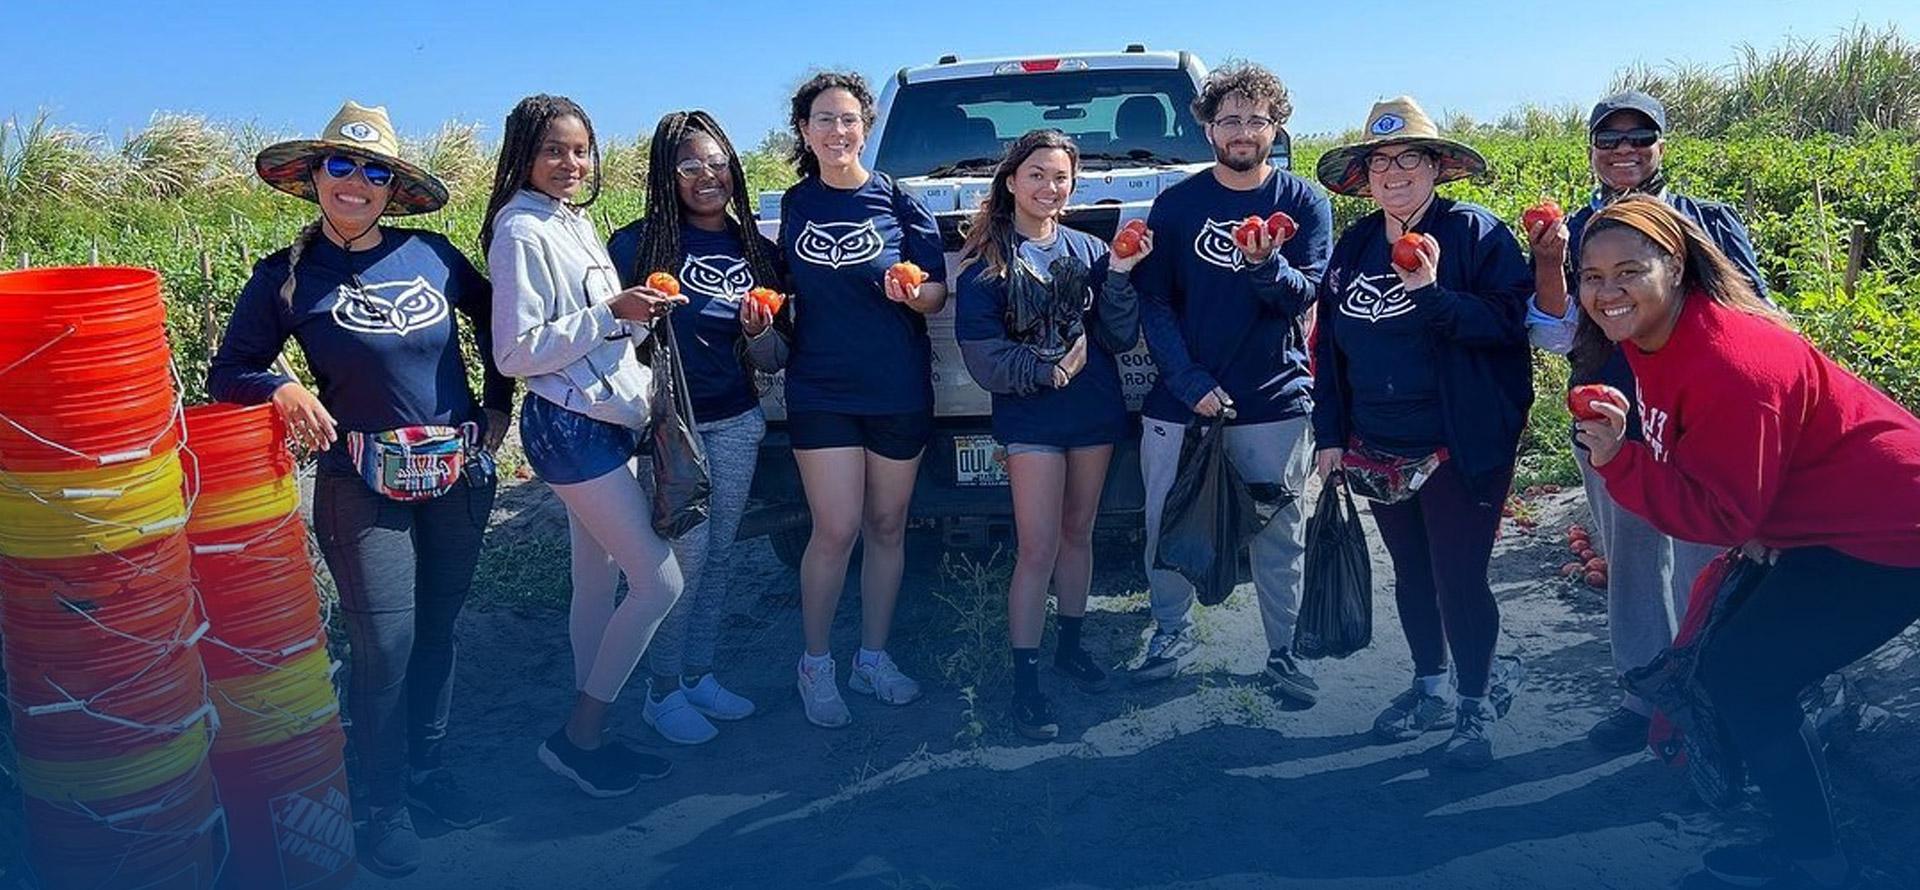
(552, 324)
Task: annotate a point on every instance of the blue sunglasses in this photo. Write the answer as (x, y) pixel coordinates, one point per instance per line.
(341, 167)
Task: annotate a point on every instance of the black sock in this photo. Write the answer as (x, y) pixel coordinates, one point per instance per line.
(1069, 633)
(1276, 654)
(1026, 672)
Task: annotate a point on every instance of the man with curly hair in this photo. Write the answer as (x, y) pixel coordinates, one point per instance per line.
(1224, 320)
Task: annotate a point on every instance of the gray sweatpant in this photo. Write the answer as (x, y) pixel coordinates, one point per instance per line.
(1650, 577)
(1279, 452)
(687, 638)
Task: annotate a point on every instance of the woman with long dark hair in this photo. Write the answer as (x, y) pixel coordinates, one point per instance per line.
(1043, 309)
(1753, 438)
(565, 325)
(859, 382)
(699, 227)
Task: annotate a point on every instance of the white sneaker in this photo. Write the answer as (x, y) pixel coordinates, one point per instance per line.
(677, 720)
(883, 681)
(821, 697)
(716, 701)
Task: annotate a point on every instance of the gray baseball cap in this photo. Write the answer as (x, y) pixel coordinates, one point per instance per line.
(1629, 100)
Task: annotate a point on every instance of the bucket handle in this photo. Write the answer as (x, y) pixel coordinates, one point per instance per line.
(64, 334)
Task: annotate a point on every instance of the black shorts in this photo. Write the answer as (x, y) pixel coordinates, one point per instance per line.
(892, 436)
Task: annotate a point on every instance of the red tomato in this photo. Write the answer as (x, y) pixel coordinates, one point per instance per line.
(908, 275)
(1281, 226)
(1244, 233)
(768, 298)
(1127, 243)
(664, 283)
(1597, 580)
(1134, 225)
(1572, 570)
(1407, 250)
(1588, 555)
(1546, 212)
(1581, 398)
(1597, 564)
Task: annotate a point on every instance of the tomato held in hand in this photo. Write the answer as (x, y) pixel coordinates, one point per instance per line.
(664, 283)
(1127, 243)
(907, 275)
(1406, 251)
(1280, 226)
(1243, 234)
(1581, 398)
(1544, 213)
(768, 299)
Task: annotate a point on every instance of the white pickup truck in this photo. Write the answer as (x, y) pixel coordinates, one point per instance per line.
(940, 131)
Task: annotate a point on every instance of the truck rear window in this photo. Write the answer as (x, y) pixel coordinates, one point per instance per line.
(935, 124)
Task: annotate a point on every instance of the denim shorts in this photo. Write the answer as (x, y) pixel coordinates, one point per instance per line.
(566, 447)
(1014, 448)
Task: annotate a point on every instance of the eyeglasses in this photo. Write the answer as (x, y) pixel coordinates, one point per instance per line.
(1406, 160)
(1607, 140)
(341, 167)
(825, 121)
(691, 168)
(1254, 124)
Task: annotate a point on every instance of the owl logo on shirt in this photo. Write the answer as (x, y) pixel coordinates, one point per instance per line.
(1376, 298)
(394, 308)
(1215, 245)
(834, 245)
(722, 279)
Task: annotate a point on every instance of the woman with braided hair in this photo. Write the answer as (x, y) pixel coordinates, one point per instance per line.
(568, 328)
(371, 305)
(699, 227)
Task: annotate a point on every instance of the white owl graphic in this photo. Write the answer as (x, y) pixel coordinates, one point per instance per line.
(396, 308)
(1376, 298)
(1215, 245)
(722, 279)
(834, 245)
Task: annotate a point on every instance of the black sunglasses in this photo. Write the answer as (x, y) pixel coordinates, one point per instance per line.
(341, 167)
(1607, 140)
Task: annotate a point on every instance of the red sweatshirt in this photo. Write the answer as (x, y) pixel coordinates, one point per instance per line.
(1753, 435)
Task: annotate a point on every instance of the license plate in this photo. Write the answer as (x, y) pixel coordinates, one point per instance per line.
(974, 461)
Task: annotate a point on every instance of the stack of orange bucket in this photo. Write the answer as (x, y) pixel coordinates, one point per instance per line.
(278, 756)
(106, 691)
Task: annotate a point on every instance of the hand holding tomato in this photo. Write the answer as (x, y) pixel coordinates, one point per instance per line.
(758, 309)
(1581, 400)
(902, 282)
(1258, 238)
(1603, 434)
(1130, 247)
(1545, 226)
(1416, 259)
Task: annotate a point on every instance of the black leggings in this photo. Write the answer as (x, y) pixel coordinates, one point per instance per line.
(1816, 611)
(1441, 541)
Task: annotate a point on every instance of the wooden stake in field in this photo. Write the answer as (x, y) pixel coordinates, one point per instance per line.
(210, 322)
(1856, 254)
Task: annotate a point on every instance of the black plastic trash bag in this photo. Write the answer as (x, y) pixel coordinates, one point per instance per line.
(1211, 515)
(681, 485)
(1336, 602)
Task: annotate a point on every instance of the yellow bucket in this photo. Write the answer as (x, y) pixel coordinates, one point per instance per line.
(265, 708)
(246, 506)
(85, 780)
(68, 513)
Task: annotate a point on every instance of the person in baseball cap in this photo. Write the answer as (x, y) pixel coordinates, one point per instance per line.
(1651, 573)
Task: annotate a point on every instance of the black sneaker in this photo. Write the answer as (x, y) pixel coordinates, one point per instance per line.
(599, 773)
(1764, 865)
(437, 794)
(1033, 718)
(649, 767)
(1289, 679)
(391, 848)
(1076, 665)
(1621, 732)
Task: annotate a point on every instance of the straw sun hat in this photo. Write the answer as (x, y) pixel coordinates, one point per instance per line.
(363, 134)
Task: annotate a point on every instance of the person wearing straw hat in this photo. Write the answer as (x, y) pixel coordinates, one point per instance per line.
(373, 308)
(1423, 385)
(1650, 574)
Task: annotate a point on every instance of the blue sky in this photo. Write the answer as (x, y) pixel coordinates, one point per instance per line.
(107, 65)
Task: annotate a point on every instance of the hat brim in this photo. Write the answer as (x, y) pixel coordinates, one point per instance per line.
(288, 166)
(1343, 170)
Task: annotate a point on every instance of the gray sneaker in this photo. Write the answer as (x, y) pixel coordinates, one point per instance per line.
(1167, 653)
(393, 848)
(820, 695)
(1411, 713)
(1470, 747)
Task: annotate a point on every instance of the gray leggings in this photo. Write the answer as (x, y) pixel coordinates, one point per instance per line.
(685, 642)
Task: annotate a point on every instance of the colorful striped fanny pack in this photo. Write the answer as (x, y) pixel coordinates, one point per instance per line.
(418, 463)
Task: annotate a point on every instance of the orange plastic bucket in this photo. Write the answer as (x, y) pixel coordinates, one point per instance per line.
(98, 301)
(260, 600)
(289, 816)
(161, 838)
(234, 447)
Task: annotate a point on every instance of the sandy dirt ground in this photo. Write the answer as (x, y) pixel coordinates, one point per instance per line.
(1202, 781)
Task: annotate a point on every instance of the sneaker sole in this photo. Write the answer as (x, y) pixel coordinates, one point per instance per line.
(712, 714)
(678, 741)
(554, 763)
(1091, 686)
(1043, 733)
(387, 871)
(865, 687)
(1292, 690)
(421, 806)
(1157, 673)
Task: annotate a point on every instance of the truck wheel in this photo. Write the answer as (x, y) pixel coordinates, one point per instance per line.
(790, 544)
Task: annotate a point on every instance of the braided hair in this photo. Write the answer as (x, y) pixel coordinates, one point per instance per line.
(526, 126)
(660, 247)
(802, 110)
(305, 237)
